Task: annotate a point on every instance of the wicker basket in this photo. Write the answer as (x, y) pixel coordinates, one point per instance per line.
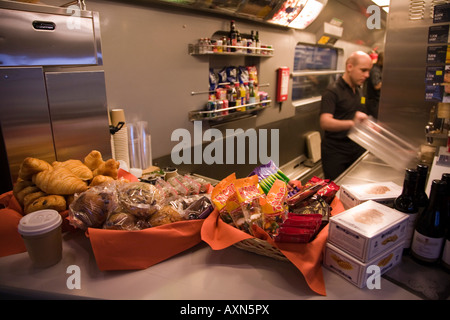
(261, 247)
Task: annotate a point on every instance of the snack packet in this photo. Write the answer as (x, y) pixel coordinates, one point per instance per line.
(328, 192)
(248, 193)
(296, 235)
(274, 208)
(166, 188)
(267, 174)
(177, 184)
(220, 195)
(309, 189)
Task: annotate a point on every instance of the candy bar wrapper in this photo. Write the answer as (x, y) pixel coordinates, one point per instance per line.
(308, 190)
(294, 235)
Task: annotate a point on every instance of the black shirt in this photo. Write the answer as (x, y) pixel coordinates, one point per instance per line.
(340, 100)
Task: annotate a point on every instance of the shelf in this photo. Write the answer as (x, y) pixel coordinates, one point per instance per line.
(211, 50)
(216, 115)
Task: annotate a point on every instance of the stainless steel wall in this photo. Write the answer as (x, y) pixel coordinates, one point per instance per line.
(402, 104)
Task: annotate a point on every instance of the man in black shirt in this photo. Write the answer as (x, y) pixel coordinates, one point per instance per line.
(341, 108)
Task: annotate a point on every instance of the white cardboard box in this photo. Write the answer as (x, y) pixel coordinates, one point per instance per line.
(382, 192)
(367, 230)
(357, 272)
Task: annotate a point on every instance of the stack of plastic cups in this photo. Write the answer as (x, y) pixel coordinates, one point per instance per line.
(139, 147)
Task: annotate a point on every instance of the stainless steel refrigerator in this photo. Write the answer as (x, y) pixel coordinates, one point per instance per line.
(412, 83)
(52, 92)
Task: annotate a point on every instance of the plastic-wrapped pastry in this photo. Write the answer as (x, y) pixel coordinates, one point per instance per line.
(166, 215)
(140, 199)
(125, 221)
(92, 207)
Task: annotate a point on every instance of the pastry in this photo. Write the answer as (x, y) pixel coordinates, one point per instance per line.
(140, 199)
(121, 221)
(93, 160)
(108, 168)
(97, 180)
(77, 167)
(29, 198)
(92, 207)
(31, 166)
(53, 201)
(25, 191)
(59, 181)
(166, 215)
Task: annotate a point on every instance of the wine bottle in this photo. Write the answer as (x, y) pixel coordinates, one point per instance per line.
(233, 36)
(429, 232)
(406, 203)
(421, 196)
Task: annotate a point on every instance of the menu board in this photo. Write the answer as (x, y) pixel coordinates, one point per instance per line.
(437, 74)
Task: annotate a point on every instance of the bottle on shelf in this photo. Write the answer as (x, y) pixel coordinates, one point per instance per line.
(232, 97)
(242, 96)
(406, 203)
(250, 42)
(429, 232)
(257, 43)
(252, 95)
(421, 196)
(233, 35)
(239, 42)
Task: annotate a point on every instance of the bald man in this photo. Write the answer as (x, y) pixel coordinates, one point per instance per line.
(340, 109)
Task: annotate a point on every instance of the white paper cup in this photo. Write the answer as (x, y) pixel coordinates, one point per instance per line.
(41, 232)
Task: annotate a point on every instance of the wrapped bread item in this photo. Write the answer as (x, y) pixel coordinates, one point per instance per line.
(92, 207)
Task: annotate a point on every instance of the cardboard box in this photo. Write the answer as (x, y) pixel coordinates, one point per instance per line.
(367, 230)
(357, 272)
(381, 192)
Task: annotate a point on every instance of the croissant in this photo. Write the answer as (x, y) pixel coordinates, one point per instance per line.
(93, 160)
(77, 167)
(60, 181)
(31, 166)
(108, 168)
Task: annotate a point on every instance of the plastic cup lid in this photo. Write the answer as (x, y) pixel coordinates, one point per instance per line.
(39, 222)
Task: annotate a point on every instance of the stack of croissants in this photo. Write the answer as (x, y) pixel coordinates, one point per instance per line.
(41, 185)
